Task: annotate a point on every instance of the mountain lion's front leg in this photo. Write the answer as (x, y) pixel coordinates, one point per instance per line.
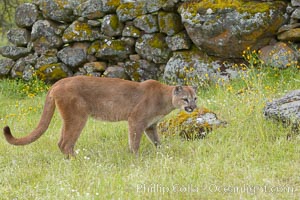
(152, 135)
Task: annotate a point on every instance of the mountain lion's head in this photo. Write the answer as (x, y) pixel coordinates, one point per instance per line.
(184, 97)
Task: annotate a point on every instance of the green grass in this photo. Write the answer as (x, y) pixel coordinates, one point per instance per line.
(248, 159)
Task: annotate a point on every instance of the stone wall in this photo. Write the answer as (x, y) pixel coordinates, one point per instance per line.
(139, 40)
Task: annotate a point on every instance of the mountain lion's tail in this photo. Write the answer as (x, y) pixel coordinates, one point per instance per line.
(45, 120)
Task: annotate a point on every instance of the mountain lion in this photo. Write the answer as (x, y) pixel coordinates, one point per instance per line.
(109, 99)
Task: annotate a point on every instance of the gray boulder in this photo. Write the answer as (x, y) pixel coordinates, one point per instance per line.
(295, 2)
(91, 9)
(115, 72)
(14, 52)
(26, 14)
(6, 65)
(187, 68)
(18, 36)
(285, 109)
(23, 68)
(147, 23)
(179, 41)
(72, 57)
(57, 10)
(279, 55)
(45, 35)
(226, 31)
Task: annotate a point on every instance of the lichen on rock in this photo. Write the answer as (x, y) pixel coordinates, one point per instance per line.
(130, 10)
(217, 28)
(59, 10)
(195, 125)
(53, 72)
(6, 65)
(111, 26)
(81, 31)
(153, 47)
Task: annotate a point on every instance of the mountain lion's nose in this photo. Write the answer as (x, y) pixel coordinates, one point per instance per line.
(188, 109)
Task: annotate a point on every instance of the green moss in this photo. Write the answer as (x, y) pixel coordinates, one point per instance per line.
(117, 45)
(80, 30)
(126, 7)
(114, 3)
(158, 41)
(94, 47)
(62, 3)
(129, 7)
(241, 6)
(114, 22)
(51, 72)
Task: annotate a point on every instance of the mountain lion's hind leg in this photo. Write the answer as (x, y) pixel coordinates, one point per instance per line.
(74, 121)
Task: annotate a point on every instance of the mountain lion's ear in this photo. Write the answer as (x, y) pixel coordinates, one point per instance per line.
(177, 90)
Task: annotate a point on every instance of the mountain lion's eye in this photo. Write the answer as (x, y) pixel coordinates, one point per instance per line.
(185, 100)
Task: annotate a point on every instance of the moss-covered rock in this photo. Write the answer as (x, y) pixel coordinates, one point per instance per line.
(111, 26)
(14, 52)
(169, 23)
(111, 50)
(226, 28)
(153, 47)
(190, 67)
(110, 6)
(179, 41)
(91, 9)
(59, 10)
(24, 68)
(141, 70)
(130, 10)
(53, 72)
(45, 35)
(131, 31)
(80, 31)
(195, 125)
(147, 23)
(6, 65)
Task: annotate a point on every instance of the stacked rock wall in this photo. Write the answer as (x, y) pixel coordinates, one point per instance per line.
(135, 39)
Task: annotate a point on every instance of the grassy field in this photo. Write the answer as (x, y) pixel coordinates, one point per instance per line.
(250, 158)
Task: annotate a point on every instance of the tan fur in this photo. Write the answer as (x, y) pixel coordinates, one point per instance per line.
(109, 99)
